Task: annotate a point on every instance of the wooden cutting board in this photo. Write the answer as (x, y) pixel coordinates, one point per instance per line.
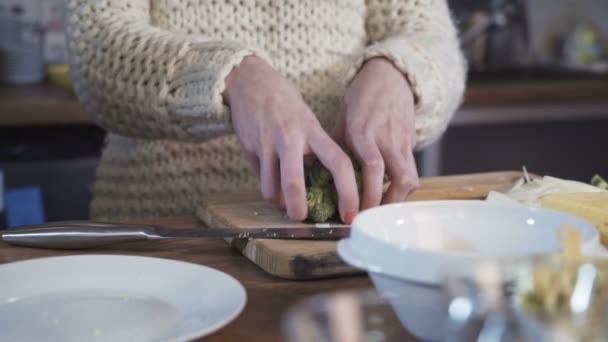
(297, 259)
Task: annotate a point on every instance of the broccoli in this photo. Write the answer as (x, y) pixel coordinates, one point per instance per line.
(321, 195)
(318, 175)
(321, 206)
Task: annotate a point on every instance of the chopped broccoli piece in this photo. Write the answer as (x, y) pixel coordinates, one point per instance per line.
(318, 175)
(321, 193)
(321, 207)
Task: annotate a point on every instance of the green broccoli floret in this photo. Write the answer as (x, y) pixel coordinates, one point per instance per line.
(318, 175)
(321, 192)
(321, 207)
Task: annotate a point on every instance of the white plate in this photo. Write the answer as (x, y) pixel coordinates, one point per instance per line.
(419, 241)
(114, 298)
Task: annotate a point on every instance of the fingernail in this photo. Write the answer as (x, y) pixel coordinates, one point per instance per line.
(350, 216)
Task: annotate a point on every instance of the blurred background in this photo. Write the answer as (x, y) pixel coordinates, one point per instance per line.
(537, 96)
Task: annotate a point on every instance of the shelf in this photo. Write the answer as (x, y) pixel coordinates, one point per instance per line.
(536, 92)
(39, 105)
(47, 105)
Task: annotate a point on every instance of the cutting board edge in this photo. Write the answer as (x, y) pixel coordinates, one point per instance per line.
(295, 267)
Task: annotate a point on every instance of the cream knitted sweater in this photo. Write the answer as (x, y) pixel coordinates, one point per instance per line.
(152, 73)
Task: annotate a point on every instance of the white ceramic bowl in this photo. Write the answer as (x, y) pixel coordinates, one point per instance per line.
(408, 248)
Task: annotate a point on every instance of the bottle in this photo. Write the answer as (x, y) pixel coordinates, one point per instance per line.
(21, 53)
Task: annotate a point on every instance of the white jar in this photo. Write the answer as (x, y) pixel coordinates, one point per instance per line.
(21, 61)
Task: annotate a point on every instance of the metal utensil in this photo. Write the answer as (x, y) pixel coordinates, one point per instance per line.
(85, 234)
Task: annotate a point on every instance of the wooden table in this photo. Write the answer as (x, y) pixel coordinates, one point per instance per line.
(268, 297)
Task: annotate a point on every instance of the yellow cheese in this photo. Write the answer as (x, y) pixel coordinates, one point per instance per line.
(592, 206)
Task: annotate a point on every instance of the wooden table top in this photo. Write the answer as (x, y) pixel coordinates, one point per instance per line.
(268, 297)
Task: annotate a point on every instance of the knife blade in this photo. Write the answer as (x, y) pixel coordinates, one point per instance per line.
(86, 234)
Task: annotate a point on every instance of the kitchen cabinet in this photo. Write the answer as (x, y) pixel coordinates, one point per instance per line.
(58, 161)
(550, 126)
(571, 149)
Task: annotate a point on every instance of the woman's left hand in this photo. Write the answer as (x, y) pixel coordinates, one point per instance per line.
(377, 124)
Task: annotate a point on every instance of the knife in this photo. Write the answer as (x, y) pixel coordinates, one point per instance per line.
(86, 234)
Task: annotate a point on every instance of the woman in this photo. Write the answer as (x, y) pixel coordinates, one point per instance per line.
(192, 90)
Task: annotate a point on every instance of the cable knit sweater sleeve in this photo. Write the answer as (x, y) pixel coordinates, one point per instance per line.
(419, 37)
(140, 81)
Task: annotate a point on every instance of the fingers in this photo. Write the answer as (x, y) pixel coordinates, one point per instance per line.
(280, 201)
(338, 133)
(269, 176)
(372, 167)
(402, 172)
(267, 190)
(292, 183)
(411, 168)
(341, 168)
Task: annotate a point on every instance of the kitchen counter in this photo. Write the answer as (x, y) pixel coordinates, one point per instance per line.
(492, 93)
(47, 105)
(268, 297)
(39, 105)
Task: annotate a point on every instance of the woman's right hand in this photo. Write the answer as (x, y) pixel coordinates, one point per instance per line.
(276, 130)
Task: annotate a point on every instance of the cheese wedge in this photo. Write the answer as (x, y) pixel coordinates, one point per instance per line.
(530, 193)
(592, 206)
